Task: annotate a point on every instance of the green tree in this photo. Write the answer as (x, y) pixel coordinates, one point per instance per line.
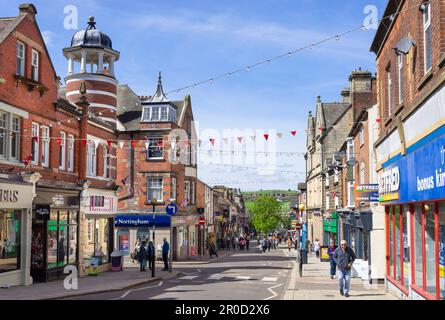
(267, 214)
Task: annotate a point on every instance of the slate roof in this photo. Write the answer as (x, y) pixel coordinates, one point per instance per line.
(332, 112)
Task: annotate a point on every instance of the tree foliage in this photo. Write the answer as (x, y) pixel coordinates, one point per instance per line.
(267, 214)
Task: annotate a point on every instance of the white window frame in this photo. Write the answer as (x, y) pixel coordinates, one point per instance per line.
(105, 158)
(16, 132)
(362, 136)
(91, 159)
(62, 151)
(350, 148)
(70, 153)
(151, 185)
(327, 202)
(34, 65)
(45, 146)
(336, 202)
(193, 188)
(193, 154)
(155, 138)
(335, 175)
(173, 190)
(351, 203)
(35, 133)
(20, 72)
(4, 128)
(426, 26)
(389, 85)
(327, 179)
(400, 76)
(187, 190)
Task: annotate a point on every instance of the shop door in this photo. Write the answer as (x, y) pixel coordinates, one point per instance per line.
(38, 253)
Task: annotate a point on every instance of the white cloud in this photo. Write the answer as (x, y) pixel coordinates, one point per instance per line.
(48, 37)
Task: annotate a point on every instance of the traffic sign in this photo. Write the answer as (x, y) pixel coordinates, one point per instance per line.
(202, 221)
(171, 209)
(298, 226)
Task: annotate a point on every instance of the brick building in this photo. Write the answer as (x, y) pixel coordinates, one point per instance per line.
(204, 204)
(410, 56)
(43, 150)
(158, 162)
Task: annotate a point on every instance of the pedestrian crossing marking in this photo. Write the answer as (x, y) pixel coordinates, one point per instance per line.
(269, 279)
(188, 277)
(243, 277)
(215, 277)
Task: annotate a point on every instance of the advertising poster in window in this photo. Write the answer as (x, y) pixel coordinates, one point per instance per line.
(124, 242)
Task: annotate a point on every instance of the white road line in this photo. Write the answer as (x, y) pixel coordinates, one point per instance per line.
(243, 277)
(269, 279)
(188, 277)
(273, 292)
(215, 277)
(139, 289)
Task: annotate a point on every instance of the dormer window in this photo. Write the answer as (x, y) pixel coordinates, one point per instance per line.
(159, 113)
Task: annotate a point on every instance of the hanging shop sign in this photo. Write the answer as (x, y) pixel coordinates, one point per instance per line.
(143, 221)
(101, 204)
(366, 193)
(418, 176)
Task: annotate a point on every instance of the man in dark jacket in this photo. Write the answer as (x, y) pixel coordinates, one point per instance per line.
(165, 250)
(150, 254)
(344, 258)
(142, 256)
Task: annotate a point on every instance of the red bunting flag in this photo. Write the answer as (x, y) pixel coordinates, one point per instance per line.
(36, 139)
(293, 132)
(378, 120)
(109, 142)
(266, 136)
(212, 141)
(29, 157)
(84, 142)
(322, 128)
(134, 144)
(59, 141)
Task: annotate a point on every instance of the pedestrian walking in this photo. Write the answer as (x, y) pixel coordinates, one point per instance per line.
(228, 244)
(150, 254)
(317, 248)
(344, 258)
(212, 250)
(264, 244)
(269, 244)
(289, 243)
(134, 253)
(331, 250)
(165, 250)
(142, 256)
(233, 243)
(247, 243)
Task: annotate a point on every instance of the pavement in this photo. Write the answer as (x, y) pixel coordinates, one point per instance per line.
(316, 284)
(235, 275)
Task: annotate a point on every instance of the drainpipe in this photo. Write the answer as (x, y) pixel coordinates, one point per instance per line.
(131, 194)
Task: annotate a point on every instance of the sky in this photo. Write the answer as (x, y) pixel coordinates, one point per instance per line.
(191, 41)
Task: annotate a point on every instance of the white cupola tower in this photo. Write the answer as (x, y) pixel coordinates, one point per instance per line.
(91, 59)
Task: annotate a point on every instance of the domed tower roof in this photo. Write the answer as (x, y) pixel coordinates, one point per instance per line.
(91, 37)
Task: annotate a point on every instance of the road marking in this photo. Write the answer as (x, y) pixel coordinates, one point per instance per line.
(269, 279)
(243, 277)
(139, 289)
(215, 277)
(273, 292)
(188, 277)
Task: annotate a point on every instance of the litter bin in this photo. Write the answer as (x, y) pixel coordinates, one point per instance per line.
(305, 253)
(117, 260)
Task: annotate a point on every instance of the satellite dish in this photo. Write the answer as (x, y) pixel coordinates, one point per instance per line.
(351, 162)
(404, 45)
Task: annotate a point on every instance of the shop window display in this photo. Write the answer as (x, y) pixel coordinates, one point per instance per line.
(442, 250)
(406, 247)
(398, 275)
(10, 224)
(430, 249)
(95, 252)
(418, 246)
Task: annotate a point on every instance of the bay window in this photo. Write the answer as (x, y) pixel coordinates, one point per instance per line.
(45, 146)
(9, 136)
(159, 113)
(154, 189)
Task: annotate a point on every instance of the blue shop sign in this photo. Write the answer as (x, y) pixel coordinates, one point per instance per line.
(143, 221)
(418, 176)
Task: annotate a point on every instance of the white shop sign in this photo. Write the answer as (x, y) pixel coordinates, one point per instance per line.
(15, 196)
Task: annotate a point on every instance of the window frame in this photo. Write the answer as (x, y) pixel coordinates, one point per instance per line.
(21, 58)
(62, 151)
(187, 191)
(151, 187)
(389, 90)
(150, 147)
(70, 157)
(106, 164)
(35, 129)
(425, 26)
(45, 145)
(173, 192)
(35, 66)
(400, 76)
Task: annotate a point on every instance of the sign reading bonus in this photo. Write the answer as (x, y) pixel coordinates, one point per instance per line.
(418, 176)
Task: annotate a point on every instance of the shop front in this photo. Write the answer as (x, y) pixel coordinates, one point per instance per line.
(330, 228)
(412, 189)
(15, 232)
(98, 210)
(55, 232)
(185, 237)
